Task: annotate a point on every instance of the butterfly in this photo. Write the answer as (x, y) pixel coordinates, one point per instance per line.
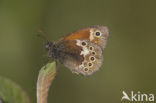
(81, 50)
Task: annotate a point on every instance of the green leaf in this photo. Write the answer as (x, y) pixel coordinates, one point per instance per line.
(11, 92)
(45, 78)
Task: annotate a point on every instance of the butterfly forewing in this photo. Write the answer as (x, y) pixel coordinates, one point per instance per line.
(96, 34)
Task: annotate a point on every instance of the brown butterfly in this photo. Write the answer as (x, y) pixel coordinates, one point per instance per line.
(80, 51)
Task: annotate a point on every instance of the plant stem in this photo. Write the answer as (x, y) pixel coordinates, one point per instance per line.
(45, 78)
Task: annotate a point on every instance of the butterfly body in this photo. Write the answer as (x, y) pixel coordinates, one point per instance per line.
(80, 51)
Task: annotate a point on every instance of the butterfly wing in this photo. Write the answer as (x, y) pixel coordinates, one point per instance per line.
(79, 55)
(92, 55)
(96, 34)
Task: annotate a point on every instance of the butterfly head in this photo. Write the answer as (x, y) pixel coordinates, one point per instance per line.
(48, 45)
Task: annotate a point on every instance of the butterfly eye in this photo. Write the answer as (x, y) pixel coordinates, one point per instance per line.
(84, 43)
(92, 58)
(48, 45)
(98, 33)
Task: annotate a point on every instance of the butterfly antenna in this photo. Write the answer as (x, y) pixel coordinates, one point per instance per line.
(42, 35)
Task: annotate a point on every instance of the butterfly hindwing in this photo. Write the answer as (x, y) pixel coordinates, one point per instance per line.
(93, 57)
(80, 56)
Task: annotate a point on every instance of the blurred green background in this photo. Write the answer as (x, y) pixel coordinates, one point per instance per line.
(130, 56)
